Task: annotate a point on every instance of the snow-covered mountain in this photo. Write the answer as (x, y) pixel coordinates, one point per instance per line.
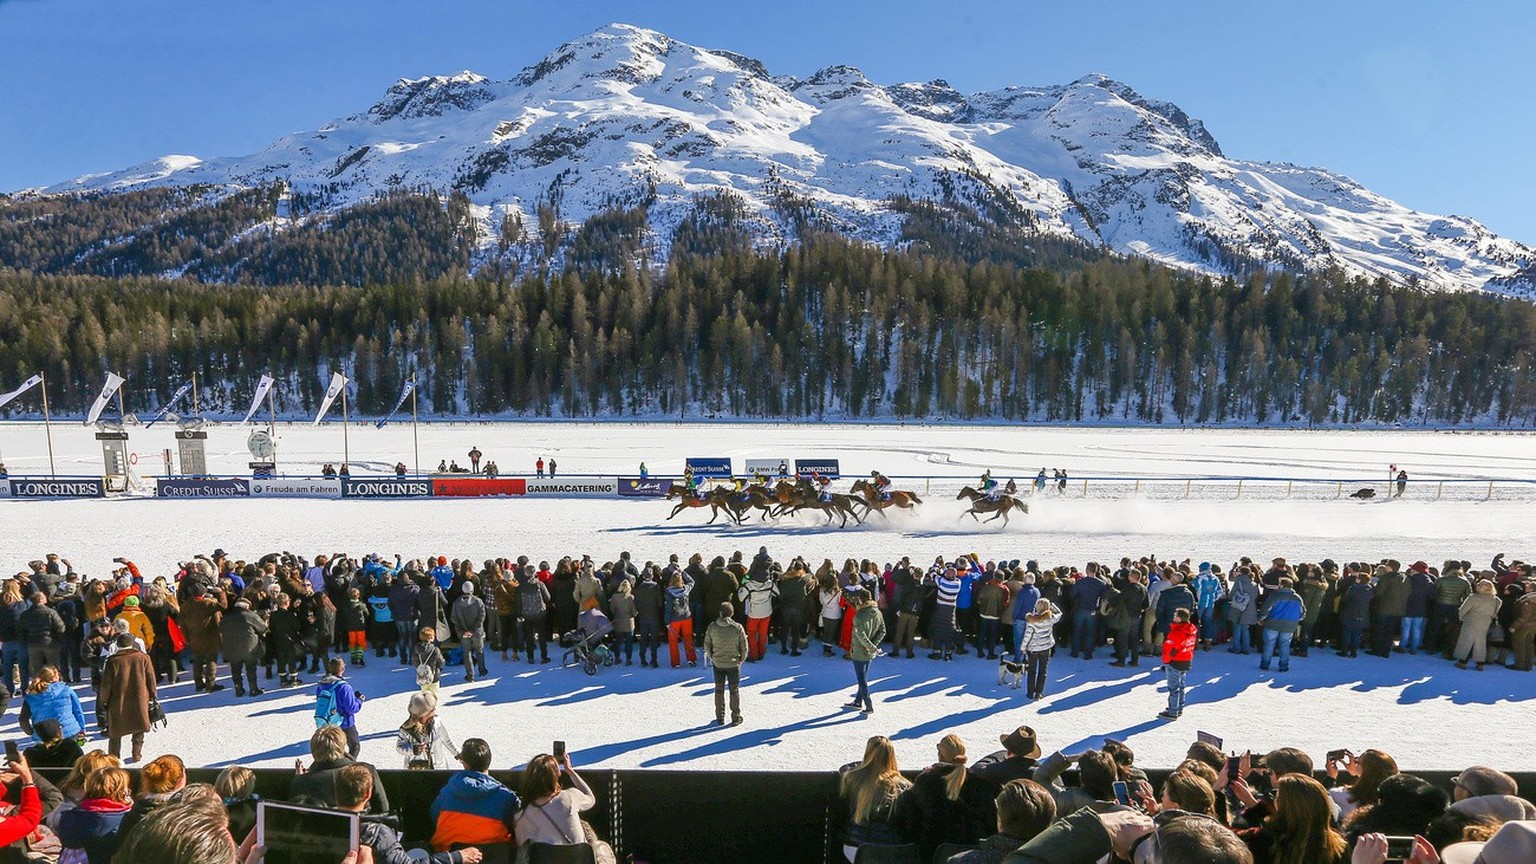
(625, 116)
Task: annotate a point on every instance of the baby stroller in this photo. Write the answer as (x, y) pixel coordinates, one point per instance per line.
(584, 645)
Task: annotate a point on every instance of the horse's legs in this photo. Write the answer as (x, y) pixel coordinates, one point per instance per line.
(678, 509)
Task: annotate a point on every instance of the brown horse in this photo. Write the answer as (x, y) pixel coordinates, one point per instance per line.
(800, 496)
(1011, 488)
(875, 501)
(750, 498)
(983, 504)
(712, 499)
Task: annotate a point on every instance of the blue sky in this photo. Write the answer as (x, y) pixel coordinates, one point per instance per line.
(1426, 103)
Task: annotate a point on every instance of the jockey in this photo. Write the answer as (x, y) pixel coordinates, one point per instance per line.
(738, 485)
(882, 485)
(824, 487)
(988, 485)
(693, 483)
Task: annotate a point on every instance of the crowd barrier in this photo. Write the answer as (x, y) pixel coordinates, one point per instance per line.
(932, 487)
(683, 817)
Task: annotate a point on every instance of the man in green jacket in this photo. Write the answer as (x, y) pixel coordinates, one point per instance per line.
(868, 633)
(725, 644)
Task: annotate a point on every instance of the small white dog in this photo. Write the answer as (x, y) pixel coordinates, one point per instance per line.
(1006, 668)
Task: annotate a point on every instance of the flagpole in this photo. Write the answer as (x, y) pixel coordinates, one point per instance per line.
(415, 440)
(47, 422)
(272, 424)
(194, 393)
(346, 449)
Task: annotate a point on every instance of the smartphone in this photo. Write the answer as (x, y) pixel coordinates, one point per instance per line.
(1122, 793)
(1234, 764)
(1399, 849)
(560, 751)
(1341, 756)
(12, 753)
(304, 835)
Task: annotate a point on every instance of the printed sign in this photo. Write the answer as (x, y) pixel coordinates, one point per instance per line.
(650, 487)
(824, 467)
(478, 487)
(386, 488)
(716, 467)
(771, 467)
(202, 487)
(5, 488)
(583, 487)
(56, 487)
(296, 487)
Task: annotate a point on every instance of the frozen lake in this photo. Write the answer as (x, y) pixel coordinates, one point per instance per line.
(653, 718)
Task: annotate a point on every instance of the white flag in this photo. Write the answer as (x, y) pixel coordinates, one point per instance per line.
(338, 381)
(107, 391)
(262, 387)
(25, 386)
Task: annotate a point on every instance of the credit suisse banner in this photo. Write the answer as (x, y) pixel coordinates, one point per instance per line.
(386, 488)
(649, 487)
(710, 467)
(605, 487)
(478, 487)
(824, 467)
(57, 487)
(202, 487)
(296, 487)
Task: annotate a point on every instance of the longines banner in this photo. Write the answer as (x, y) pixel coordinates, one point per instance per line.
(580, 487)
(386, 488)
(58, 487)
(824, 467)
(202, 487)
(477, 487)
(296, 487)
(650, 487)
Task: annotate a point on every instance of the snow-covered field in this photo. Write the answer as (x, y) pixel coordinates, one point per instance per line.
(654, 718)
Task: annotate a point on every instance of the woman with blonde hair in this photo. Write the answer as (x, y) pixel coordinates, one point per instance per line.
(942, 806)
(92, 828)
(1477, 613)
(49, 698)
(872, 789)
(1038, 642)
(1300, 830)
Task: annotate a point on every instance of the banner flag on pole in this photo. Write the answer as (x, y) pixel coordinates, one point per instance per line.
(262, 387)
(338, 381)
(171, 403)
(26, 385)
(405, 393)
(107, 391)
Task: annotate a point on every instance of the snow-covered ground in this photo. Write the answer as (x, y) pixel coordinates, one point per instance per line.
(654, 718)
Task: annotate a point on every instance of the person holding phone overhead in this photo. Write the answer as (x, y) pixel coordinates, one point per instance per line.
(551, 814)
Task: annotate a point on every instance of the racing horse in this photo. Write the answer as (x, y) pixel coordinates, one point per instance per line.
(874, 501)
(794, 497)
(983, 504)
(713, 499)
(973, 495)
(751, 498)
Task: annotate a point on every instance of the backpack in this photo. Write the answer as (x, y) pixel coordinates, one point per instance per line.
(325, 709)
(680, 608)
(531, 602)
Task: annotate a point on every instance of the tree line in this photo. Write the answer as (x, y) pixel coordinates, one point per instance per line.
(825, 328)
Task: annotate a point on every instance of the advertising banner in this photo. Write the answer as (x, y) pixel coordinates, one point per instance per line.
(477, 487)
(824, 467)
(650, 487)
(386, 488)
(296, 487)
(202, 487)
(58, 487)
(581, 487)
(5, 489)
(771, 467)
(710, 467)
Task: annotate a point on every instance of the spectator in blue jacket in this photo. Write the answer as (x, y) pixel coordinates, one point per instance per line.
(1280, 616)
(48, 698)
(1209, 589)
(1421, 593)
(1023, 604)
(965, 614)
(1085, 594)
(337, 703)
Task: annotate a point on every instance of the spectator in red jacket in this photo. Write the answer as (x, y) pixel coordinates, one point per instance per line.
(1178, 653)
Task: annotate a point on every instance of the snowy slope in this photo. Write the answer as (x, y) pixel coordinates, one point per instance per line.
(627, 116)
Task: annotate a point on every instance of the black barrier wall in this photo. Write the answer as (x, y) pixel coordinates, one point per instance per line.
(683, 817)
